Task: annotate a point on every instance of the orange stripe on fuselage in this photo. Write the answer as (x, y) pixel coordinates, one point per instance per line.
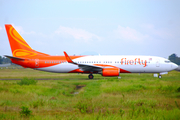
(80, 71)
(43, 61)
(103, 65)
(124, 71)
(121, 70)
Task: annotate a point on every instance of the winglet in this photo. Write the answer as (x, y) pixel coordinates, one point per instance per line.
(68, 58)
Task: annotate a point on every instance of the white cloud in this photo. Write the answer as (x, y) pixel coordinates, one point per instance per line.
(21, 30)
(0, 28)
(130, 34)
(78, 34)
(147, 26)
(163, 33)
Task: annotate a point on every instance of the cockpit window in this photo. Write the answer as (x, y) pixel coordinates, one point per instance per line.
(167, 61)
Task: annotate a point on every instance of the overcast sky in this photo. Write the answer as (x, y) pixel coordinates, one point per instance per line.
(106, 27)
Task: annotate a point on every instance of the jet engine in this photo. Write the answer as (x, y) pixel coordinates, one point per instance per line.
(109, 72)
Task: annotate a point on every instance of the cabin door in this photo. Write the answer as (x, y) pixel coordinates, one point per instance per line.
(157, 63)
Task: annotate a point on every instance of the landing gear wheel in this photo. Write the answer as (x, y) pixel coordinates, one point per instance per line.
(91, 76)
(159, 76)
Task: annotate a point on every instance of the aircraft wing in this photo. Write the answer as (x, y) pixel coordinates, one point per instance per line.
(84, 67)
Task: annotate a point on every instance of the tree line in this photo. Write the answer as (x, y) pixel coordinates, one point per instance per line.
(4, 60)
(173, 58)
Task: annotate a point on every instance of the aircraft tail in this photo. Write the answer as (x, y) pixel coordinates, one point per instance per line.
(19, 46)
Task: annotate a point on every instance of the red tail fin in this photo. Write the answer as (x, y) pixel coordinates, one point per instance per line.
(19, 46)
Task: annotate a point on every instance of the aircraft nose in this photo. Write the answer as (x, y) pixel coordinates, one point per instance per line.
(174, 66)
(178, 69)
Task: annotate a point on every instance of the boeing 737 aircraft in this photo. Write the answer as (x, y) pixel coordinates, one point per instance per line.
(24, 55)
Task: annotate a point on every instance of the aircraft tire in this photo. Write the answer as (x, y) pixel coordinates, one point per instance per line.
(159, 76)
(90, 76)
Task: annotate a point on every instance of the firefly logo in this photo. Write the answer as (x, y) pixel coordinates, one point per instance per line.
(136, 61)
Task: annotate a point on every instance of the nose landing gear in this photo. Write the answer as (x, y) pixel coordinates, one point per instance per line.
(159, 76)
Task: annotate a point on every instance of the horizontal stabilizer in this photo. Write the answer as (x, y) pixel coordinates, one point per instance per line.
(11, 57)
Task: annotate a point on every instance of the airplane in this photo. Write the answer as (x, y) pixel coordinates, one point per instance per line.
(106, 65)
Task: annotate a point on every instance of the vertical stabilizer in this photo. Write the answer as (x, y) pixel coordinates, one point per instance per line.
(19, 46)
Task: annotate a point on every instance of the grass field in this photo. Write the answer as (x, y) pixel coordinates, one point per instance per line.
(74, 96)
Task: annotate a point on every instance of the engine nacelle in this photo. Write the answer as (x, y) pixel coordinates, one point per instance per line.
(110, 72)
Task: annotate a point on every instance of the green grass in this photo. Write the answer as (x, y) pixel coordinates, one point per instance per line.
(74, 96)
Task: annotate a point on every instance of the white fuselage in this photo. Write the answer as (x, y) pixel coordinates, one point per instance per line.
(131, 64)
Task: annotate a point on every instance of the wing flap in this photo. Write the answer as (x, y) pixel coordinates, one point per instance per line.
(86, 67)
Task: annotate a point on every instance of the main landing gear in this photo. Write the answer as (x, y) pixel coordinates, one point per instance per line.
(91, 76)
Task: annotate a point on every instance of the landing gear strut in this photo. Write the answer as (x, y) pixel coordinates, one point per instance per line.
(91, 76)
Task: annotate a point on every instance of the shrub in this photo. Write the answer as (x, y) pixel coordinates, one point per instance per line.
(178, 89)
(82, 107)
(85, 106)
(25, 112)
(37, 103)
(27, 81)
(121, 112)
(177, 105)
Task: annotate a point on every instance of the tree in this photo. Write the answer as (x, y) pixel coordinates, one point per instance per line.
(175, 59)
(1, 60)
(4, 60)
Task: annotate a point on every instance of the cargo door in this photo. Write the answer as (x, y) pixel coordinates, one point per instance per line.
(36, 62)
